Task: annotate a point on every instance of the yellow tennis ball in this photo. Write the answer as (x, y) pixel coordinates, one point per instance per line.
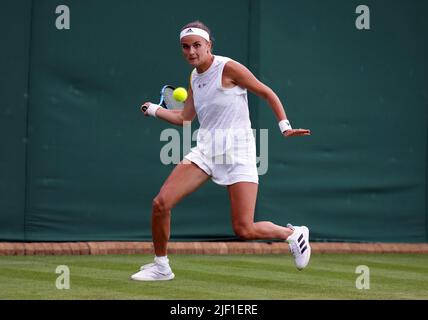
(180, 94)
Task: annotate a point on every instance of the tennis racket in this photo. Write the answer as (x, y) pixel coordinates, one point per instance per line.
(167, 101)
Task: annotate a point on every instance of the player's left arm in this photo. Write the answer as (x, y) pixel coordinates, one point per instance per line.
(239, 75)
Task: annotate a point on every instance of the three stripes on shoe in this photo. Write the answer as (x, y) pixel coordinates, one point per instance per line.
(302, 244)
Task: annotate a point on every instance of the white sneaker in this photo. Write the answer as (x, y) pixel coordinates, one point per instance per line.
(298, 242)
(154, 272)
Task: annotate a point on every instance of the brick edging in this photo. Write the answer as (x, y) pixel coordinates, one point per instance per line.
(114, 247)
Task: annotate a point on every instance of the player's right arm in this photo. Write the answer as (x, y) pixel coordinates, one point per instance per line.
(177, 117)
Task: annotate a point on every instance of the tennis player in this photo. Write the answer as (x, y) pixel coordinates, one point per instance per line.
(217, 95)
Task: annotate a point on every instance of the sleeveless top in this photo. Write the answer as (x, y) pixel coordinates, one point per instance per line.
(222, 112)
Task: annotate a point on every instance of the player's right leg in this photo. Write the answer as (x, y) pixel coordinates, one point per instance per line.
(183, 180)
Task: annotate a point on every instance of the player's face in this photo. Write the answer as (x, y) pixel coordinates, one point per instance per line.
(196, 50)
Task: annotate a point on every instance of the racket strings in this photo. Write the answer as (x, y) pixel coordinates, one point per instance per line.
(169, 100)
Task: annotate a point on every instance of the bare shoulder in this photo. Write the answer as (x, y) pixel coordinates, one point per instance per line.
(238, 74)
(234, 67)
(235, 73)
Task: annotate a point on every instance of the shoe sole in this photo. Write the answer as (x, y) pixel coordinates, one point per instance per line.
(306, 234)
(170, 277)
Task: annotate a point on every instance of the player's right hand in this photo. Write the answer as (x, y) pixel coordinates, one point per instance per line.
(144, 107)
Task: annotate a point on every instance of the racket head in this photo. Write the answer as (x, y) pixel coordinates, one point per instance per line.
(167, 100)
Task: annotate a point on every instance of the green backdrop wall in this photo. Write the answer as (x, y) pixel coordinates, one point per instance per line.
(79, 162)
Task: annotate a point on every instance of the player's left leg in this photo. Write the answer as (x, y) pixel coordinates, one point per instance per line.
(243, 202)
(243, 197)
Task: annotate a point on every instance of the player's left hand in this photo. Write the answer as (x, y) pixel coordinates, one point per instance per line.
(296, 132)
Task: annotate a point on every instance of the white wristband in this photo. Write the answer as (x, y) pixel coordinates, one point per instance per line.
(151, 110)
(284, 125)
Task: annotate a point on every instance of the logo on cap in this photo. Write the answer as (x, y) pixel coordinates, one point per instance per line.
(190, 30)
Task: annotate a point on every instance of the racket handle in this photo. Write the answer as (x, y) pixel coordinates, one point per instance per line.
(143, 108)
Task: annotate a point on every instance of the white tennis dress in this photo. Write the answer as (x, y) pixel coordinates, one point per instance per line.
(225, 147)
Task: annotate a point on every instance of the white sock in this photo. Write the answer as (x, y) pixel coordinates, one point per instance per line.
(162, 260)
